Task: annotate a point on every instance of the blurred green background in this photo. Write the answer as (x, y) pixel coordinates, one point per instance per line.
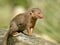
(50, 25)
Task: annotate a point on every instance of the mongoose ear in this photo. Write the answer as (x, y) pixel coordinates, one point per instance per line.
(30, 13)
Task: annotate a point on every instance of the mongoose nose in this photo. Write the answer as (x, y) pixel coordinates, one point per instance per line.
(41, 16)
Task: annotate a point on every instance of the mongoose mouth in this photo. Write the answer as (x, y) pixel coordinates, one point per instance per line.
(40, 16)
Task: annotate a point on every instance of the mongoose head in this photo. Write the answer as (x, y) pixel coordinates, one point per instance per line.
(36, 13)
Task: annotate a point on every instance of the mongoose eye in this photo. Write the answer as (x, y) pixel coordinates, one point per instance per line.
(39, 13)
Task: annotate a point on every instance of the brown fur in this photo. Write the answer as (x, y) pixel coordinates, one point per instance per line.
(25, 21)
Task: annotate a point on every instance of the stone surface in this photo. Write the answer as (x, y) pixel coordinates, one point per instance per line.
(22, 39)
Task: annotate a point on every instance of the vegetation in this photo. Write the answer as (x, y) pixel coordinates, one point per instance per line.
(50, 25)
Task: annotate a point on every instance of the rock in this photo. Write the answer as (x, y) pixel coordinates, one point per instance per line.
(2, 35)
(22, 39)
